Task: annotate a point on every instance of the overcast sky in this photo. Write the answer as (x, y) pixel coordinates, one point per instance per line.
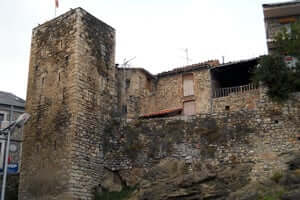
(156, 32)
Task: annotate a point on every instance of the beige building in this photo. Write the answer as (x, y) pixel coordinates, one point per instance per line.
(196, 89)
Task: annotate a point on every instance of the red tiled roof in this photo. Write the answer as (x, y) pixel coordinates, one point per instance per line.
(162, 113)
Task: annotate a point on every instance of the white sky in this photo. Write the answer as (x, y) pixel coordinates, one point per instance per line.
(156, 32)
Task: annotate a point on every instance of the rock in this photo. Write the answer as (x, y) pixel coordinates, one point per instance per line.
(295, 163)
(111, 182)
(290, 178)
(133, 176)
(170, 179)
(292, 195)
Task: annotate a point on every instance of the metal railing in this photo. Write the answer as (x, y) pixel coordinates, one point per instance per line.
(223, 92)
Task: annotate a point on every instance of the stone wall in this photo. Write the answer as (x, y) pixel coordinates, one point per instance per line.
(96, 100)
(246, 100)
(169, 91)
(71, 93)
(262, 139)
(136, 86)
(148, 94)
(50, 102)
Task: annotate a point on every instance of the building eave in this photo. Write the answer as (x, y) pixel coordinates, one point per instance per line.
(282, 9)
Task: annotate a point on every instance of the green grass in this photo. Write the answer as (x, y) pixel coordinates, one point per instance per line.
(122, 195)
(276, 195)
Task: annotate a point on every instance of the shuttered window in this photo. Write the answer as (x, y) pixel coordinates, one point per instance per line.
(188, 85)
(189, 108)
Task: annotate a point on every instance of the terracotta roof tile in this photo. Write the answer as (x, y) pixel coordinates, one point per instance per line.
(162, 113)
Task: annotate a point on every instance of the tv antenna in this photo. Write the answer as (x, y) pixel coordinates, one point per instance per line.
(186, 56)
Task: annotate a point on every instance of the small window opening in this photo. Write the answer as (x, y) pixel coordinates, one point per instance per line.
(227, 108)
(58, 76)
(148, 84)
(124, 109)
(67, 59)
(54, 144)
(127, 83)
(36, 67)
(276, 121)
(43, 81)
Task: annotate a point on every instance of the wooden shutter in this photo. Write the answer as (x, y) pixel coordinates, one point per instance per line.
(188, 85)
(189, 108)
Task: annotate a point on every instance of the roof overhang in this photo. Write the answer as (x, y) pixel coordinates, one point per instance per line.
(237, 64)
(163, 113)
(282, 9)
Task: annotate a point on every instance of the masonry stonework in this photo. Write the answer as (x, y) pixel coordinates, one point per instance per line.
(86, 132)
(71, 92)
(259, 142)
(242, 100)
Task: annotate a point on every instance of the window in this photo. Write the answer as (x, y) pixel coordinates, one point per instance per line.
(124, 109)
(148, 84)
(227, 108)
(2, 115)
(127, 83)
(2, 145)
(188, 85)
(189, 108)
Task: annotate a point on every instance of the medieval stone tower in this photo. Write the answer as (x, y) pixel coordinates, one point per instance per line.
(71, 93)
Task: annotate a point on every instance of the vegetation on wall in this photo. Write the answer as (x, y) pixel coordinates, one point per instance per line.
(106, 195)
(273, 71)
(149, 140)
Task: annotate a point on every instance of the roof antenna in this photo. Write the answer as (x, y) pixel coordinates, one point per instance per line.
(187, 55)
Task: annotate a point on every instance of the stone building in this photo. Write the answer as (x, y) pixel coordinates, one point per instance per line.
(75, 89)
(11, 107)
(200, 88)
(71, 93)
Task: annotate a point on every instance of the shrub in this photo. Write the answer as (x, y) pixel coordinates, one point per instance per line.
(122, 195)
(273, 71)
(276, 177)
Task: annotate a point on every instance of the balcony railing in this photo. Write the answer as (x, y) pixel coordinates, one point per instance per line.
(223, 92)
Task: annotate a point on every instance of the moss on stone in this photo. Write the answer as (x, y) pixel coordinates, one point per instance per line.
(122, 195)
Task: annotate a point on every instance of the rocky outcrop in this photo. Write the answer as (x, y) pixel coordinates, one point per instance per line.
(283, 185)
(173, 179)
(176, 179)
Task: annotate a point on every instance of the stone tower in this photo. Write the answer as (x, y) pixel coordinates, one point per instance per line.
(71, 93)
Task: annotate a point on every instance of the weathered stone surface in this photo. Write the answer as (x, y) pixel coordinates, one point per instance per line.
(71, 93)
(111, 182)
(77, 140)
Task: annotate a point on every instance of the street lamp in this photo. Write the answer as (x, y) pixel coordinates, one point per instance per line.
(22, 119)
